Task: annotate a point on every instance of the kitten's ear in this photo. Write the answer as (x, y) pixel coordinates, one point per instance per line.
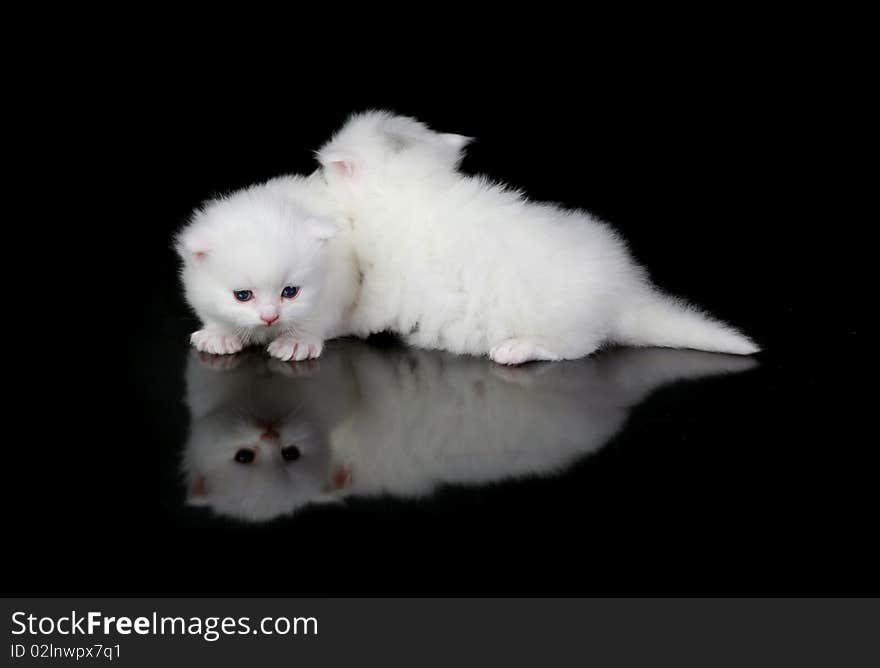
(340, 164)
(341, 480)
(197, 494)
(191, 244)
(322, 229)
(327, 499)
(457, 142)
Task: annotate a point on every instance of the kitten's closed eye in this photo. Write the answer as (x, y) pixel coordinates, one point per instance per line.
(243, 295)
(289, 292)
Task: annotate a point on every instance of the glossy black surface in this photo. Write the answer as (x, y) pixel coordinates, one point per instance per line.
(267, 439)
(634, 472)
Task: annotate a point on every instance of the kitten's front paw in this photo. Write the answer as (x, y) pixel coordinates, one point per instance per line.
(288, 348)
(213, 342)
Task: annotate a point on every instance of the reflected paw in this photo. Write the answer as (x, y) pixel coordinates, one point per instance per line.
(288, 348)
(213, 342)
(300, 370)
(220, 362)
(520, 375)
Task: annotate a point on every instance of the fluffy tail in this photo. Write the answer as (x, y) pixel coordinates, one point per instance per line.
(672, 323)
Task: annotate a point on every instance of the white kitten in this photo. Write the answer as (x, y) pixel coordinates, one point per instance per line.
(459, 263)
(262, 266)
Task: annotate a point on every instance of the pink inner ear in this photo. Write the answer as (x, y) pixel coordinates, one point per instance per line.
(198, 488)
(343, 168)
(343, 477)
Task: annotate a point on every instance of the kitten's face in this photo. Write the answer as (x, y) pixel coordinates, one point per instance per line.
(255, 261)
(256, 467)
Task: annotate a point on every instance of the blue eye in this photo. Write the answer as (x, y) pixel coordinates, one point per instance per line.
(243, 295)
(290, 292)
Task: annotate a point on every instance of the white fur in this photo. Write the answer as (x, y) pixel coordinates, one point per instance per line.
(262, 239)
(458, 263)
(401, 421)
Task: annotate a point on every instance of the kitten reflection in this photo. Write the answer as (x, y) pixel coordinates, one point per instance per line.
(269, 437)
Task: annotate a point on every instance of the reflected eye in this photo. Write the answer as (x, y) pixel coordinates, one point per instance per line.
(290, 292)
(245, 456)
(290, 453)
(243, 295)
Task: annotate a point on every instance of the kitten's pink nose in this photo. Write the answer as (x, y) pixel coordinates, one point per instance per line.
(269, 314)
(270, 435)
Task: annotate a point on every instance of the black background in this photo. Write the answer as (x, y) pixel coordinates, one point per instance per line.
(716, 157)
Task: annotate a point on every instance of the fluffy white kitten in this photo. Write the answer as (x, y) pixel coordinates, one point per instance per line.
(458, 263)
(260, 266)
(267, 438)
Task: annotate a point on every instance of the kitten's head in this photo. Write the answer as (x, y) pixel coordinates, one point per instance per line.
(255, 259)
(381, 144)
(256, 466)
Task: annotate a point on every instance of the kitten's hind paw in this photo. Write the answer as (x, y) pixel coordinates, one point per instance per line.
(519, 351)
(288, 348)
(213, 342)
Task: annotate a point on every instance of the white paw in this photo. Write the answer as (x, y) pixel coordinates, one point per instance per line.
(288, 348)
(519, 351)
(215, 343)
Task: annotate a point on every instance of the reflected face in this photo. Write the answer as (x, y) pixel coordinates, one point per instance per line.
(268, 437)
(255, 466)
